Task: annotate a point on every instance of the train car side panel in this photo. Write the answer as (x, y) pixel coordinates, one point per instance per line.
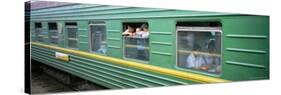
(107, 74)
(162, 42)
(114, 38)
(83, 35)
(246, 47)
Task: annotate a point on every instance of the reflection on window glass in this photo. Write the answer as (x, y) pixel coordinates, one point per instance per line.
(53, 33)
(72, 43)
(72, 33)
(98, 38)
(39, 35)
(200, 50)
(137, 48)
(136, 41)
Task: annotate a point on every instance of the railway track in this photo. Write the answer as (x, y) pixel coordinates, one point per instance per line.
(45, 79)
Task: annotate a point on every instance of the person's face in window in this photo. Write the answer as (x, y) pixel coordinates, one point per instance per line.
(144, 27)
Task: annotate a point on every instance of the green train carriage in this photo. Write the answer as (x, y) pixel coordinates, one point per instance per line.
(67, 38)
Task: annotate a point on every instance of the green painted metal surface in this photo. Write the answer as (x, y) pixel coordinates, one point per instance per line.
(83, 35)
(165, 35)
(114, 38)
(105, 74)
(87, 11)
(245, 47)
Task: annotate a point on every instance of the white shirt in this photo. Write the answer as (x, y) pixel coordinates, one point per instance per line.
(145, 34)
(190, 60)
(193, 61)
(142, 34)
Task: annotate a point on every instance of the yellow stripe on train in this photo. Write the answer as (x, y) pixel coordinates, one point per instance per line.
(145, 67)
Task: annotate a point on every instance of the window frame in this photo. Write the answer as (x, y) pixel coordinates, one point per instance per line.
(58, 32)
(199, 29)
(97, 23)
(67, 37)
(123, 42)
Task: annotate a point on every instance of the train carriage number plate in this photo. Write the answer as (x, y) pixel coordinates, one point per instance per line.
(62, 56)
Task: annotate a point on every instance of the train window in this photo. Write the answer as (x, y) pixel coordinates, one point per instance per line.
(136, 41)
(39, 35)
(98, 37)
(199, 48)
(72, 35)
(53, 33)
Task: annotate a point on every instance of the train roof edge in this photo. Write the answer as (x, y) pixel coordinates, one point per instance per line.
(78, 11)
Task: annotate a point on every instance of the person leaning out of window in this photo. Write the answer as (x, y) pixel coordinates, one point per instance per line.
(130, 31)
(142, 34)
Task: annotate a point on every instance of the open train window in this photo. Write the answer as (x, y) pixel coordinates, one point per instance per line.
(53, 33)
(199, 46)
(72, 35)
(98, 37)
(136, 41)
(39, 35)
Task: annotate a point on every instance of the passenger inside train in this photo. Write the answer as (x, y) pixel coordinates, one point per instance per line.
(203, 55)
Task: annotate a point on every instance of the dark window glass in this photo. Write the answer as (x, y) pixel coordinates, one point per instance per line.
(53, 33)
(38, 25)
(72, 34)
(72, 43)
(98, 38)
(136, 48)
(52, 26)
(39, 35)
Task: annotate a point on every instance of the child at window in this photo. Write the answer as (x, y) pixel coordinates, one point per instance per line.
(142, 32)
(142, 41)
(138, 33)
(145, 32)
